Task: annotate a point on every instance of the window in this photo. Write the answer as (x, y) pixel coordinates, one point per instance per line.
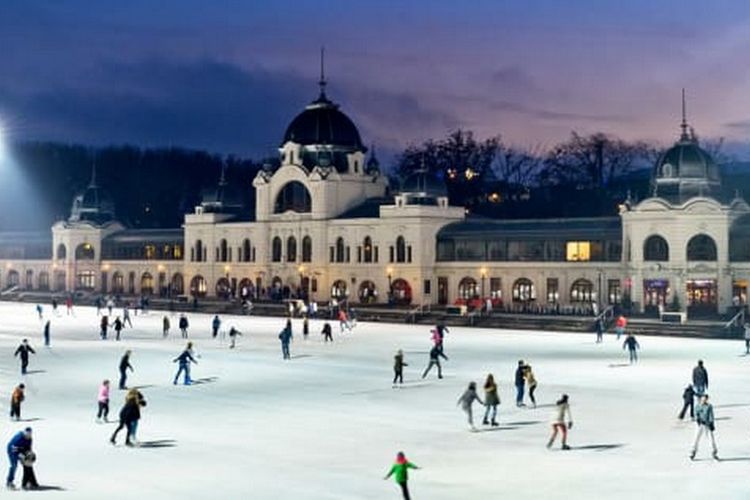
(701, 247)
(367, 250)
(331, 254)
(118, 283)
(85, 280)
(655, 248)
(340, 250)
(400, 249)
(582, 291)
(306, 249)
(294, 197)
(408, 253)
(427, 289)
(578, 251)
(553, 291)
(246, 250)
(391, 253)
(614, 292)
(150, 252)
(198, 251)
(223, 251)
(61, 251)
(291, 249)
(338, 290)
(276, 249)
(147, 284)
(496, 289)
(523, 290)
(85, 251)
(467, 288)
(44, 280)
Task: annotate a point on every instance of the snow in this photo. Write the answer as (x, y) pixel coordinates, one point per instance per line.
(327, 424)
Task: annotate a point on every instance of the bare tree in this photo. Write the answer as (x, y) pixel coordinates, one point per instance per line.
(519, 166)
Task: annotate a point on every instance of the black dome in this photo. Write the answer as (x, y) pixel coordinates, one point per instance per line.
(323, 123)
(686, 159)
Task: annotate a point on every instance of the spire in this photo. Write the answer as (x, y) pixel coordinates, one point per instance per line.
(322, 82)
(223, 177)
(685, 136)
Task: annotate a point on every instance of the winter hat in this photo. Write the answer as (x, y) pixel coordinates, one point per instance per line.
(400, 458)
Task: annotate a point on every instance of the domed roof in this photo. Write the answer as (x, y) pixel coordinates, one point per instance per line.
(322, 123)
(93, 204)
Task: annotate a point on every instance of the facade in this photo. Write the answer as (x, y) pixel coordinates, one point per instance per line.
(327, 225)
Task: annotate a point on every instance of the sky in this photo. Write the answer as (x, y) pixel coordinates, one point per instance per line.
(228, 76)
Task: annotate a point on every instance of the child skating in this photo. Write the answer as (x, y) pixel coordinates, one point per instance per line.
(466, 400)
(16, 398)
(103, 402)
(400, 472)
(559, 423)
(327, 332)
(398, 367)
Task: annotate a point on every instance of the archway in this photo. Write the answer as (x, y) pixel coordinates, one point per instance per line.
(223, 288)
(655, 248)
(338, 290)
(523, 290)
(368, 293)
(147, 284)
(198, 286)
(294, 197)
(177, 284)
(85, 251)
(468, 288)
(43, 281)
(62, 251)
(582, 290)
(12, 278)
(701, 247)
(246, 288)
(401, 291)
(118, 283)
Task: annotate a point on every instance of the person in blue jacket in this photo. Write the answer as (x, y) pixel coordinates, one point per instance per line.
(286, 337)
(17, 446)
(184, 360)
(215, 325)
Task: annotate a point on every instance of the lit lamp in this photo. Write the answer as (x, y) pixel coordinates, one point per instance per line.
(301, 270)
(483, 272)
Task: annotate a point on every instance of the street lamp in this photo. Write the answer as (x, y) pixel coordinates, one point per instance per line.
(483, 272)
(302, 285)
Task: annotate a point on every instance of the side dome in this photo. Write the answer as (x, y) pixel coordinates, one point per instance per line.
(323, 123)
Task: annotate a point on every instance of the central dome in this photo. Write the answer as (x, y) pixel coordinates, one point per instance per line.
(322, 123)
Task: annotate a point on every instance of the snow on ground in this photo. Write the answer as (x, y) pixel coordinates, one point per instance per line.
(327, 424)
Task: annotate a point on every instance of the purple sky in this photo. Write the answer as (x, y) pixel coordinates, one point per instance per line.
(228, 76)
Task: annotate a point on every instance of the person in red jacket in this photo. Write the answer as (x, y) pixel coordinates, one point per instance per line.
(620, 325)
(400, 472)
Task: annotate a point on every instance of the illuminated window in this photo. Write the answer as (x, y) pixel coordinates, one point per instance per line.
(578, 251)
(177, 251)
(150, 252)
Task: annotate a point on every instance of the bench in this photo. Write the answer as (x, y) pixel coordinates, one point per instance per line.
(674, 317)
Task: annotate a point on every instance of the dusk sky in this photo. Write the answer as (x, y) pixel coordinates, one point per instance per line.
(228, 76)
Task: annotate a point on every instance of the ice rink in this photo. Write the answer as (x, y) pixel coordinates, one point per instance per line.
(327, 424)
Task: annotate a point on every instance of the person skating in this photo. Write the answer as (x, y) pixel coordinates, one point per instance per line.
(47, 326)
(126, 316)
(117, 325)
(400, 472)
(528, 374)
(23, 352)
(688, 399)
(165, 326)
(632, 345)
(28, 480)
(124, 366)
(562, 410)
(183, 324)
(491, 400)
(130, 413)
(700, 379)
(98, 304)
(466, 400)
(215, 325)
(442, 330)
(285, 336)
(103, 402)
(39, 310)
(747, 337)
(69, 305)
(704, 418)
(344, 321)
(327, 332)
(398, 367)
(305, 327)
(437, 341)
(19, 444)
(434, 361)
(16, 398)
(233, 334)
(110, 305)
(103, 325)
(620, 325)
(599, 327)
(184, 361)
(520, 382)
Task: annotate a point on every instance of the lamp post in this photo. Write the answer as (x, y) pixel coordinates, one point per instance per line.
(483, 272)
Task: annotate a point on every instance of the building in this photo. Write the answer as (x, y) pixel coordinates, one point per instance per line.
(327, 225)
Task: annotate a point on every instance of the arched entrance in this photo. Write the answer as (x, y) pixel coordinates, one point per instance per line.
(401, 290)
(582, 290)
(223, 288)
(198, 286)
(147, 284)
(523, 290)
(246, 288)
(368, 294)
(12, 279)
(338, 290)
(467, 288)
(85, 251)
(118, 283)
(177, 284)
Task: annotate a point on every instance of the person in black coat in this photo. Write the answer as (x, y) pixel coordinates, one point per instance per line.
(183, 324)
(117, 325)
(23, 352)
(129, 416)
(700, 379)
(688, 399)
(434, 361)
(124, 365)
(327, 332)
(520, 381)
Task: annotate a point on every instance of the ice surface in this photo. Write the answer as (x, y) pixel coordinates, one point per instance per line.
(327, 424)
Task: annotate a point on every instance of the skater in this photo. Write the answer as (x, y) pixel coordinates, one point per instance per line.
(28, 480)
(184, 360)
(103, 402)
(305, 327)
(520, 383)
(110, 305)
(285, 337)
(129, 416)
(700, 379)
(688, 398)
(233, 333)
(400, 472)
(15, 401)
(46, 333)
(103, 325)
(491, 400)
(98, 304)
(165, 326)
(562, 409)
(434, 361)
(126, 316)
(54, 307)
(39, 310)
(327, 332)
(183, 324)
(747, 337)
(620, 325)
(704, 417)
(124, 365)
(17, 446)
(599, 327)
(437, 341)
(23, 352)
(344, 321)
(466, 400)
(118, 326)
(632, 346)
(215, 324)
(530, 383)
(398, 367)
(69, 305)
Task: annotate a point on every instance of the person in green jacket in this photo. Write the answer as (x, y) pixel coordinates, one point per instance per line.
(400, 473)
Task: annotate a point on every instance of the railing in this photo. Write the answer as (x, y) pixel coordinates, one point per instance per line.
(417, 311)
(606, 315)
(737, 320)
(9, 290)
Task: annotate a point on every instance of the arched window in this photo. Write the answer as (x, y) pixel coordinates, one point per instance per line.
(293, 196)
(306, 249)
(118, 283)
(291, 249)
(401, 291)
(223, 251)
(198, 286)
(276, 249)
(62, 251)
(467, 288)
(582, 291)
(223, 288)
(368, 294)
(147, 284)
(523, 290)
(246, 250)
(655, 248)
(13, 279)
(198, 251)
(44, 280)
(701, 247)
(400, 249)
(338, 290)
(85, 251)
(177, 284)
(340, 251)
(367, 249)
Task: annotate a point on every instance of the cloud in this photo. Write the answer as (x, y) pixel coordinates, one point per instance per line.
(738, 126)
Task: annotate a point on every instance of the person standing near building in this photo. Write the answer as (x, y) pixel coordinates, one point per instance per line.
(700, 379)
(398, 367)
(688, 398)
(704, 417)
(47, 333)
(183, 324)
(562, 410)
(327, 332)
(620, 325)
(103, 325)
(599, 327)
(491, 400)
(215, 325)
(400, 472)
(466, 400)
(530, 382)
(103, 402)
(184, 361)
(165, 326)
(285, 336)
(117, 325)
(434, 361)
(16, 398)
(23, 352)
(124, 366)
(19, 444)
(520, 382)
(632, 345)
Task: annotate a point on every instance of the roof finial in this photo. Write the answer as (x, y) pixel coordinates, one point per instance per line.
(322, 82)
(684, 125)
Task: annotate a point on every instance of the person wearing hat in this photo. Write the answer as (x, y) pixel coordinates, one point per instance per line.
(704, 417)
(19, 445)
(400, 472)
(15, 401)
(23, 352)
